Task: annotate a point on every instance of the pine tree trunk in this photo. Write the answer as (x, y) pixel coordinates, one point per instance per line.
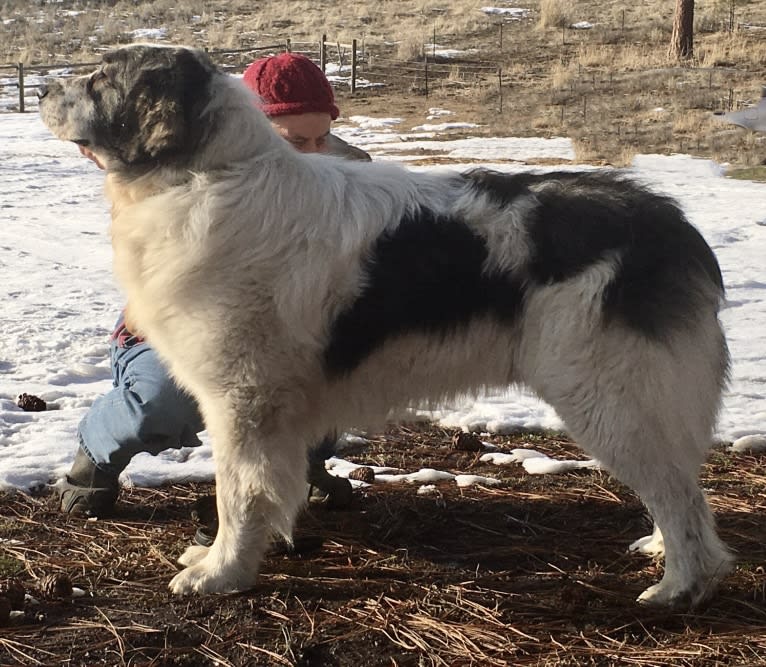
(682, 39)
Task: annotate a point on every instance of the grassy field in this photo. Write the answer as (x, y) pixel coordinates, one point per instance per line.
(610, 86)
(748, 173)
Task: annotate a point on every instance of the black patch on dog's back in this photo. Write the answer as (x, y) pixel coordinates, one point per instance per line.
(426, 275)
(581, 218)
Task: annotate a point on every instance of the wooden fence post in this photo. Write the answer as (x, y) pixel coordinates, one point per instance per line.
(353, 65)
(21, 87)
(322, 52)
(425, 62)
(288, 45)
(500, 87)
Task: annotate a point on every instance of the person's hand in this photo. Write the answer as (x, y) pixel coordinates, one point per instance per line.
(91, 156)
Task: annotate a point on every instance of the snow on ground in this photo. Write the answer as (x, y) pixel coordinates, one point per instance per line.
(60, 301)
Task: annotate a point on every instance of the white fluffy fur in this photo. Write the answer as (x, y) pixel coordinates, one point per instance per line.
(236, 273)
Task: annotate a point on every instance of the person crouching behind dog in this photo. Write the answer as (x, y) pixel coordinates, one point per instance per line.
(145, 411)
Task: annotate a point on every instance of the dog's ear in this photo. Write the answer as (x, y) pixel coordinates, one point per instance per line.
(162, 109)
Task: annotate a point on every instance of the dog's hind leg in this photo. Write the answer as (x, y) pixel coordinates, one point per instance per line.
(645, 410)
(695, 558)
(260, 487)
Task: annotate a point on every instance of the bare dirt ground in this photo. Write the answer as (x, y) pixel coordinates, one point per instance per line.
(534, 572)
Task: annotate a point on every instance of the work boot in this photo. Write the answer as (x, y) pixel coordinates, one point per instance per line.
(335, 492)
(88, 490)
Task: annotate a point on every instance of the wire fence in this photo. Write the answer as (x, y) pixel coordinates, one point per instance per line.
(350, 64)
(26, 78)
(354, 65)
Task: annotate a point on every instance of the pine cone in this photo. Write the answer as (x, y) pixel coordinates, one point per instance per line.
(467, 442)
(31, 403)
(363, 474)
(14, 592)
(57, 585)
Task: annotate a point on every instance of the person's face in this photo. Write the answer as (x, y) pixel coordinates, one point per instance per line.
(307, 132)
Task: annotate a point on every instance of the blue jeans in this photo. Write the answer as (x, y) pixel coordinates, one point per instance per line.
(146, 412)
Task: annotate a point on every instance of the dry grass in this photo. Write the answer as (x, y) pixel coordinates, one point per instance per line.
(531, 573)
(555, 14)
(600, 86)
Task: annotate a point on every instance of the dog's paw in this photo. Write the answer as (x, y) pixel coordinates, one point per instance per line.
(198, 578)
(652, 545)
(193, 555)
(653, 596)
(206, 572)
(664, 595)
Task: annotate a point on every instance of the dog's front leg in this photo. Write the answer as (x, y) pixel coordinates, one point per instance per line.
(260, 480)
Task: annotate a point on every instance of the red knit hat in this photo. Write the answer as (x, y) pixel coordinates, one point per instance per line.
(290, 84)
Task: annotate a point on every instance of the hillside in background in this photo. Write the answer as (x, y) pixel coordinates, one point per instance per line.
(594, 71)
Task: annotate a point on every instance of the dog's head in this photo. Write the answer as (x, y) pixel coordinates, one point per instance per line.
(140, 108)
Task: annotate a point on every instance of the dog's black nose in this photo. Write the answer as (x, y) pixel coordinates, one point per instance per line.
(42, 91)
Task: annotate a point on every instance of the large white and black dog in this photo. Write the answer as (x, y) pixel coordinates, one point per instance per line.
(294, 294)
